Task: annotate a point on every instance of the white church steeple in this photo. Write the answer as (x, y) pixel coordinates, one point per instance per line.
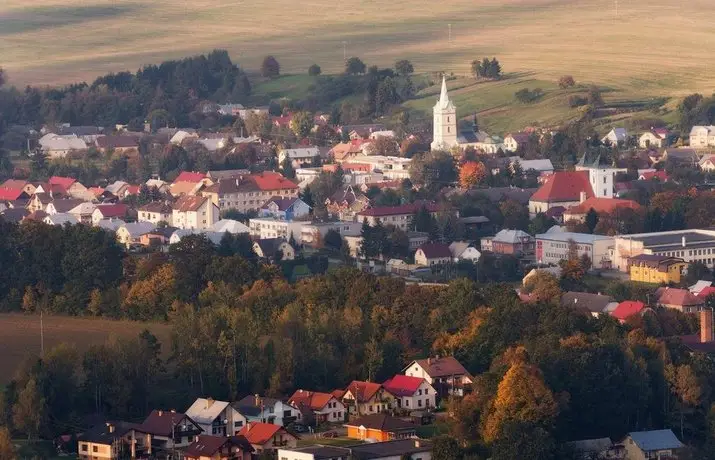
(444, 121)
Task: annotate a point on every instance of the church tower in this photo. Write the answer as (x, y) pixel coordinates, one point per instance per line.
(445, 121)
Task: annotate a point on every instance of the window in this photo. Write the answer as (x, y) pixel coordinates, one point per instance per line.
(84, 447)
(407, 403)
(95, 449)
(419, 403)
(419, 392)
(369, 408)
(604, 180)
(238, 424)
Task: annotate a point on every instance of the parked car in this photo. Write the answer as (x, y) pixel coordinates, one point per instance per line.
(298, 428)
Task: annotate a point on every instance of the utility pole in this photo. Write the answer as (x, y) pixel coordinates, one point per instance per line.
(42, 336)
(450, 33)
(345, 51)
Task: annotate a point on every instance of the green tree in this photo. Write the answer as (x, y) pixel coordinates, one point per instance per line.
(287, 168)
(314, 70)
(566, 81)
(433, 171)
(404, 67)
(29, 410)
(524, 440)
(302, 123)
(591, 220)
(446, 448)
(541, 223)
(354, 66)
(270, 67)
(333, 239)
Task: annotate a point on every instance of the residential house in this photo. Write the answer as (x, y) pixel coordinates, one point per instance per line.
(361, 131)
(380, 427)
(513, 141)
(679, 299)
(707, 163)
(655, 444)
(412, 449)
(398, 216)
(556, 245)
(543, 167)
(592, 304)
(682, 156)
(615, 137)
(39, 202)
(87, 133)
(249, 193)
(366, 398)
(109, 211)
(183, 135)
(655, 137)
(159, 184)
(433, 254)
(267, 410)
(22, 185)
(117, 188)
(285, 208)
(346, 203)
(411, 393)
(267, 436)
(57, 146)
(318, 407)
(270, 248)
(463, 250)
(216, 418)
(313, 234)
(553, 271)
(155, 212)
(60, 218)
(219, 448)
(157, 238)
(263, 228)
(444, 373)
(347, 151)
(117, 144)
(110, 441)
(562, 188)
(651, 268)
(131, 233)
(233, 227)
(597, 449)
(110, 225)
(166, 430)
(702, 137)
(62, 206)
(628, 308)
(13, 194)
(189, 183)
(513, 242)
(194, 212)
(316, 452)
(214, 237)
(82, 212)
(298, 156)
(600, 206)
(391, 168)
(14, 215)
(68, 186)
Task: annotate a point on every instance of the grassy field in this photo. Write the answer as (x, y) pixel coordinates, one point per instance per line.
(20, 335)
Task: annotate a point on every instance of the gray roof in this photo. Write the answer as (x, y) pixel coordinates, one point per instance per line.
(581, 238)
(511, 236)
(136, 229)
(661, 239)
(390, 448)
(591, 445)
(320, 452)
(654, 440)
(595, 303)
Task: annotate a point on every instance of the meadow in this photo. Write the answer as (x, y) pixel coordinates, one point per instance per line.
(638, 49)
(20, 336)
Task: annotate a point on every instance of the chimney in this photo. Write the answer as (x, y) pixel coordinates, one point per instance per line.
(682, 241)
(417, 443)
(161, 412)
(582, 197)
(209, 402)
(173, 411)
(257, 400)
(110, 427)
(706, 326)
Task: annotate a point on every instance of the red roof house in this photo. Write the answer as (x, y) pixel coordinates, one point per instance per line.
(650, 175)
(403, 385)
(109, 211)
(600, 205)
(12, 194)
(706, 292)
(64, 182)
(627, 308)
(562, 188)
(189, 176)
(679, 299)
(267, 436)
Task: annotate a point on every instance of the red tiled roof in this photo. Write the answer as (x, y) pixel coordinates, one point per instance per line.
(564, 186)
(132, 190)
(117, 142)
(188, 176)
(627, 308)
(412, 208)
(265, 182)
(706, 292)
(312, 399)
(113, 210)
(679, 297)
(445, 366)
(96, 191)
(283, 120)
(435, 250)
(190, 203)
(363, 391)
(607, 205)
(10, 194)
(338, 394)
(64, 182)
(14, 184)
(259, 433)
(650, 175)
(403, 385)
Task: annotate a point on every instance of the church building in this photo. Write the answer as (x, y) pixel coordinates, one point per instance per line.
(446, 132)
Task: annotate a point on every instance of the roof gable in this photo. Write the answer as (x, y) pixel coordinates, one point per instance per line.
(564, 186)
(403, 385)
(445, 366)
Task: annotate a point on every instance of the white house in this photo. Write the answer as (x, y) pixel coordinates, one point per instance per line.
(267, 410)
(233, 227)
(432, 254)
(178, 235)
(57, 146)
(131, 233)
(655, 137)
(268, 248)
(615, 136)
(263, 228)
(83, 212)
(411, 392)
(555, 245)
(217, 418)
(444, 373)
(194, 212)
(707, 163)
(155, 212)
(658, 444)
(298, 156)
(702, 136)
(463, 250)
(324, 407)
(285, 208)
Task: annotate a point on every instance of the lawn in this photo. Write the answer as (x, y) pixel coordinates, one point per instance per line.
(20, 335)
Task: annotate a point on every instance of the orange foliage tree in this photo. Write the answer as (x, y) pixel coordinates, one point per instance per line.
(471, 173)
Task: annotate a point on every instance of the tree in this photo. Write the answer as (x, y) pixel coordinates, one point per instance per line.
(270, 67)
(516, 215)
(384, 146)
(446, 448)
(566, 81)
(471, 173)
(591, 220)
(527, 96)
(524, 440)
(354, 66)
(29, 410)
(333, 239)
(486, 68)
(433, 170)
(594, 96)
(287, 168)
(543, 287)
(7, 448)
(302, 123)
(314, 70)
(541, 223)
(404, 67)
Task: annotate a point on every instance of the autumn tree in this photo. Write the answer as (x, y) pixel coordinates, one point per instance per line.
(446, 448)
(270, 67)
(543, 287)
(301, 124)
(7, 448)
(471, 173)
(566, 81)
(29, 410)
(384, 146)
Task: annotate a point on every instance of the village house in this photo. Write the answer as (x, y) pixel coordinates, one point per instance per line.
(562, 188)
(268, 227)
(194, 212)
(157, 238)
(109, 441)
(131, 233)
(707, 163)
(189, 183)
(167, 430)
(543, 167)
(655, 444)
(513, 141)
(679, 299)
(615, 137)
(270, 248)
(361, 131)
(464, 251)
(655, 137)
(413, 449)
(231, 226)
(219, 448)
(318, 407)
(702, 137)
(60, 219)
(599, 205)
(683, 156)
(285, 208)
(17, 184)
(391, 168)
(155, 212)
(118, 144)
(298, 156)
(651, 268)
(445, 374)
(69, 186)
(433, 254)
(363, 398)
(313, 233)
(346, 203)
(217, 418)
(267, 436)
(556, 245)
(267, 410)
(109, 211)
(250, 193)
(398, 216)
(380, 427)
(64, 205)
(57, 146)
(628, 308)
(592, 304)
(83, 212)
(512, 242)
(347, 151)
(411, 393)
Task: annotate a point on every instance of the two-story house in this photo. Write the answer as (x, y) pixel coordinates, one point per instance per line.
(512, 242)
(702, 137)
(155, 212)
(166, 430)
(267, 410)
(411, 393)
(431, 254)
(267, 436)
(318, 407)
(655, 444)
(398, 216)
(298, 156)
(444, 373)
(194, 212)
(285, 208)
(217, 418)
(219, 448)
(250, 193)
(362, 398)
(109, 211)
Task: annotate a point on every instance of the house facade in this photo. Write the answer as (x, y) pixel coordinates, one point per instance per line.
(554, 246)
(155, 212)
(285, 208)
(444, 373)
(321, 407)
(398, 216)
(216, 418)
(702, 137)
(512, 242)
(380, 427)
(411, 393)
(656, 444)
(432, 254)
(268, 437)
(194, 212)
(363, 398)
(250, 193)
(561, 189)
(650, 268)
(267, 410)
(655, 137)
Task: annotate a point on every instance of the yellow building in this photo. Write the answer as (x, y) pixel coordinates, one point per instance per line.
(651, 268)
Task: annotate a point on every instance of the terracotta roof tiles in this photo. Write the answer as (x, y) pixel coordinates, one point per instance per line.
(564, 186)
